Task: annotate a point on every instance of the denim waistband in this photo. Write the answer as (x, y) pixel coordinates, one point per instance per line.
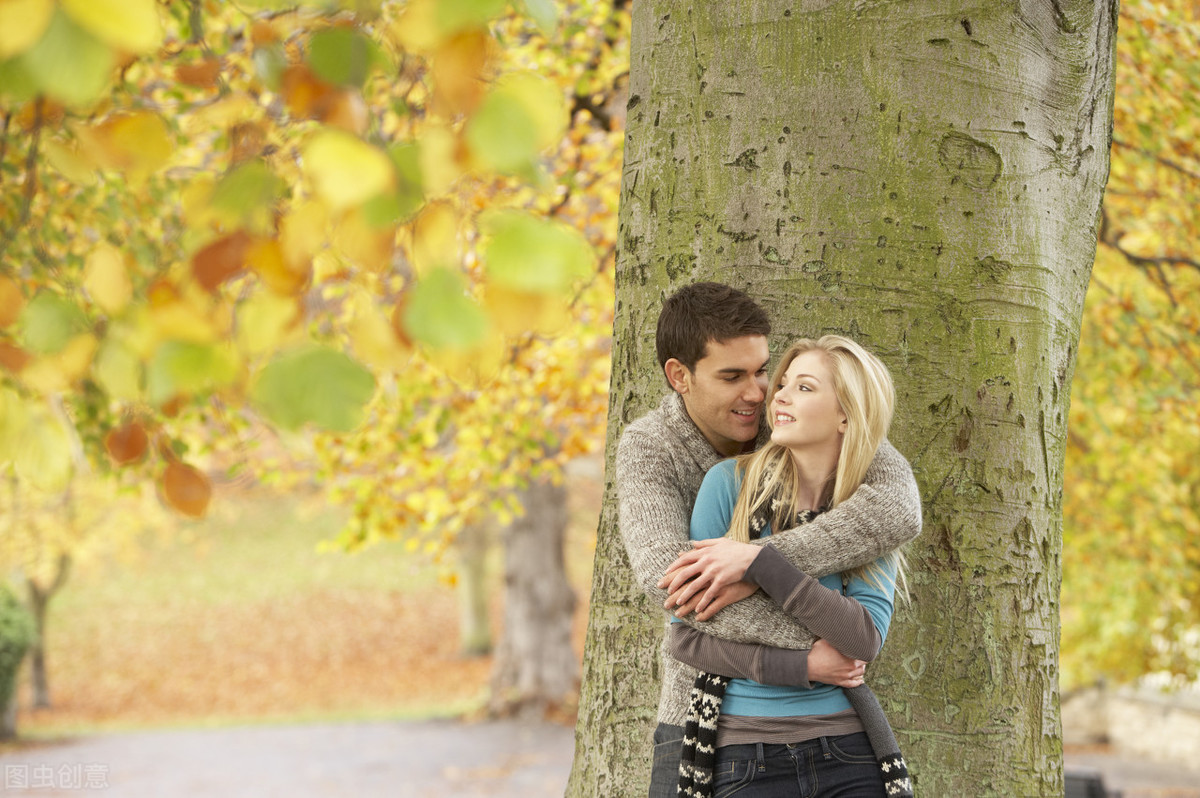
(760, 751)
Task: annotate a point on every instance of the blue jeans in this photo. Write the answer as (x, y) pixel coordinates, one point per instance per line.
(828, 767)
(668, 750)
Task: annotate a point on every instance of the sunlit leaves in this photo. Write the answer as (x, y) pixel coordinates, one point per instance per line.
(345, 170)
(128, 25)
(135, 143)
(34, 439)
(314, 384)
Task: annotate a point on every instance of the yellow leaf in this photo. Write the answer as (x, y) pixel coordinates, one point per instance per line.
(264, 321)
(302, 232)
(14, 418)
(22, 23)
(375, 340)
(516, 312)
(130, 25)
(68, 161)
(416, 29)
(137, 143)
(345, 170)
(57, 372)
(284, 277)
(438, 160)
(106, 278)
(435, 237)
(44, 451)
(369, 246)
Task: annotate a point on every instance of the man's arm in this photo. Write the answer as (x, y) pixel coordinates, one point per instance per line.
(883, 514)
(653, 518)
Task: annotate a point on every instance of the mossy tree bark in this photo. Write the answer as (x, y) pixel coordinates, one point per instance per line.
(925, 177)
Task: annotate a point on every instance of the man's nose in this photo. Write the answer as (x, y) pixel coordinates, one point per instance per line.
(758, 390)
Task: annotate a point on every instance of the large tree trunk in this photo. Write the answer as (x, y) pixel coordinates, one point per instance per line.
(925, 177)
(535, 668)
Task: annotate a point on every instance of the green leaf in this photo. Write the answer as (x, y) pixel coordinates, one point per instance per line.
(503, 136)
(247, 195)
(534, 255)
(44, 454)
(442, 315)
(343, 56)
(410, 193)
(16, 84)
(180, 367)
(118, 371)
(68, 63)
(454, 15)
(48, 322)
(544, 13)
(316, 384)
(521, 117)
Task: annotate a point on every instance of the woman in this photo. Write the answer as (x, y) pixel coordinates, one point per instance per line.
(830, 408)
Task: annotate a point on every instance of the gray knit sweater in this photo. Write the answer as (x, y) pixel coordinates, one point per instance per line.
(662, 459)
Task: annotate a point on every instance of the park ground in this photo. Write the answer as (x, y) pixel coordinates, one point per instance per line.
(233, 657)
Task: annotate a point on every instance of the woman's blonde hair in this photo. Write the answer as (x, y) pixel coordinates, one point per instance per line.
(864, 390)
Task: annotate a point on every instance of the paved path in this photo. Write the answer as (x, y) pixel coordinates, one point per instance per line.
(436, 759)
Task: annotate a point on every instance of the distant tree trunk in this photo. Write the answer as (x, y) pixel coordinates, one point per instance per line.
(925, 177)
(535, 668)
(8, 721)
(39, 602)
(475, 632)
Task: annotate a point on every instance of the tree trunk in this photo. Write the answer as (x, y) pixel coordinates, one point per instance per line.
(535, 668)
(39, 602)
(475, 633)
(8, 720)
(925, 178)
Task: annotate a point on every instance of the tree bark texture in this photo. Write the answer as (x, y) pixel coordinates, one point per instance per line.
(925, 177)
(535, 667)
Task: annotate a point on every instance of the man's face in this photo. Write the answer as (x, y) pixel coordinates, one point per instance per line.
(724, 393)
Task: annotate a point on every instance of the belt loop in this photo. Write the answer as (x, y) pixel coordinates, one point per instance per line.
(825, 748)
(762, 760)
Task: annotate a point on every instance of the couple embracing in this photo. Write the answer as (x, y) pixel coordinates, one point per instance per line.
(795, 506)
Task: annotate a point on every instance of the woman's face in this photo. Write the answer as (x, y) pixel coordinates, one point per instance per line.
(805, 412)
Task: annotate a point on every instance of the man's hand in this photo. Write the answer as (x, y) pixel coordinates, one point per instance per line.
(710, 566)
(723, 598)
(829, 666)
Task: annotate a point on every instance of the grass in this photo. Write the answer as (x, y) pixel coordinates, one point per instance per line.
(239, 619)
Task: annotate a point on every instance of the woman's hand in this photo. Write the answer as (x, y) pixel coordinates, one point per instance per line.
(710, 566)
(829, 666)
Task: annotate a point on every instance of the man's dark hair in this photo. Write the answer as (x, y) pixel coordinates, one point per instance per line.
(703, 312)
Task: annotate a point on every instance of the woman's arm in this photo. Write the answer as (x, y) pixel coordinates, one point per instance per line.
(764, 664)
(839, 619)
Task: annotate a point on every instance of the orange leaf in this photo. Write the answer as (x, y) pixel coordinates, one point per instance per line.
(13, 358)
(265, 257)
(304, 93)
(186, 489)
(458, 67)
(202, 74)
(11, 301)
(127, 443)
(220, 260)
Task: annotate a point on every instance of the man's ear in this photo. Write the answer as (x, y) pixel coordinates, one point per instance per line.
(678, 375)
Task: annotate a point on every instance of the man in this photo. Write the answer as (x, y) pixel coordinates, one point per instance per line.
(712, 346)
